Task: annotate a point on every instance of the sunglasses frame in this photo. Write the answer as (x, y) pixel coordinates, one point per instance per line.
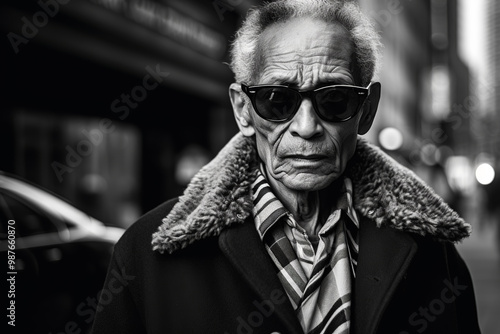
(251, 92)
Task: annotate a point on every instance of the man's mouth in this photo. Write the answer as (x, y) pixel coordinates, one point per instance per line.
(308, 157)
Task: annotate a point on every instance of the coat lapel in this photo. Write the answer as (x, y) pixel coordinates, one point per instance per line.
(384, 257)
(243, 247)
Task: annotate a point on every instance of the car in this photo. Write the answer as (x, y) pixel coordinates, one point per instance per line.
(56, 258)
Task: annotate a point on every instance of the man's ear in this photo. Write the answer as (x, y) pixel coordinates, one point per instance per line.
(241, 110)
(370, 108)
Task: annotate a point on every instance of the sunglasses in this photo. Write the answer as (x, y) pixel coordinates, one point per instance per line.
(278, 103)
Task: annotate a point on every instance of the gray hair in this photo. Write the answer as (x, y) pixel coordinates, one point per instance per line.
(243, 49)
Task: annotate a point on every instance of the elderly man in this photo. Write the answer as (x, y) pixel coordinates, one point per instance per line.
(298, 225)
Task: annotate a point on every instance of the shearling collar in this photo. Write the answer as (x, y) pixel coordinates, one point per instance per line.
(384, 191)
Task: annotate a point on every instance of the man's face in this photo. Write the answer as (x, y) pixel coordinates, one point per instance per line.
(305, 153)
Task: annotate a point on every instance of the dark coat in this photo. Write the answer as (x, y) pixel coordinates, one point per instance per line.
(196, 264)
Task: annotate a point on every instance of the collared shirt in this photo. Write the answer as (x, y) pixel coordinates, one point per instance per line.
(316, 274)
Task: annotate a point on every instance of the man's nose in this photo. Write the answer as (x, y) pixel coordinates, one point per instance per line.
(306, 123)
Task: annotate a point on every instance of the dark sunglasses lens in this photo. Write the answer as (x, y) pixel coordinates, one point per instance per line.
(276, 103)
(337, 104)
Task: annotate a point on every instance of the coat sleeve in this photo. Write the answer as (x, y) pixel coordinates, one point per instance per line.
(466, 301)
(117, 311)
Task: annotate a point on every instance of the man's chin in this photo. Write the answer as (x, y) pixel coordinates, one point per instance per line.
(309, 182)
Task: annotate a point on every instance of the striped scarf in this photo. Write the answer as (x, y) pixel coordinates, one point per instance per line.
(316, 279)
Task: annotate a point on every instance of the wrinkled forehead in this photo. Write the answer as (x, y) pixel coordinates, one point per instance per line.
(304, 44)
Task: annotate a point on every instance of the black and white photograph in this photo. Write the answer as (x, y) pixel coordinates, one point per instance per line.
(250, 166)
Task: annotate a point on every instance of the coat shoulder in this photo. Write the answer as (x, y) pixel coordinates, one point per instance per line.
(137, 237)
(136, 243)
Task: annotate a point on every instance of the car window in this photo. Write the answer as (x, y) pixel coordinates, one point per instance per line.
(29, 221)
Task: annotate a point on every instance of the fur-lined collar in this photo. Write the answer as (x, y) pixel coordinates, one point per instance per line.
(384, 191)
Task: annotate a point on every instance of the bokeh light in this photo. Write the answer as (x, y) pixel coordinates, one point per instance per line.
(485, 174)
(391, 138)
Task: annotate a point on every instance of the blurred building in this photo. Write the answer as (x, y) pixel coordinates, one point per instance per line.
(103, 98)
(490, 140)
(489, 119)
(405, 28)
(493, 36)
(424, 115)
(452, 105)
